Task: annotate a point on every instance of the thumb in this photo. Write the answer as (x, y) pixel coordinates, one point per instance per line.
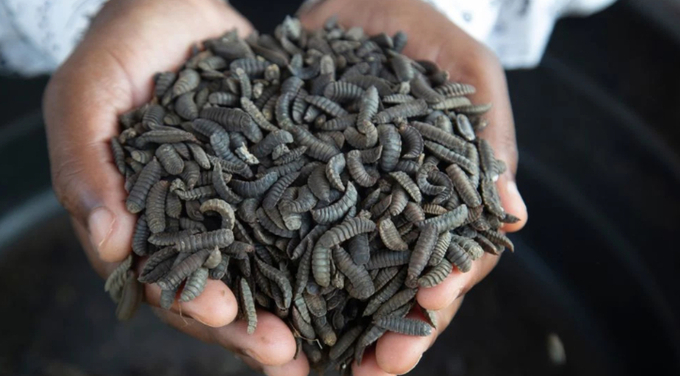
(80, 122)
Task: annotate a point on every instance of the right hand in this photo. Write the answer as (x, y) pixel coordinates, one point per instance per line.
(110, 73)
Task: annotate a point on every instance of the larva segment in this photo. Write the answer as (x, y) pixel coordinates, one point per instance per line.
(357, 274)
(321, 256)
(420, 88)
(334, 167)
(440, 248)
(279, 279)
(405, 110)
(390, 236)
(150, 174)
(465, 190)
(183, 270)
(391, 143)
(246, 296)
(195, 285)
(457, 256)
(397, 300)
(345, 342)
(384, 259)
(385, 293)
(140, 236)
(421, 253)
(335, 211)
(155, 206)
(411, 327)
(187, 81)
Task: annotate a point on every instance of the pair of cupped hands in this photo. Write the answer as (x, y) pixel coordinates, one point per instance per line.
(111, 72)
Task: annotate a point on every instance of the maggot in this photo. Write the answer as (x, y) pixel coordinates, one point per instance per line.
(149, 176)
(411, 327)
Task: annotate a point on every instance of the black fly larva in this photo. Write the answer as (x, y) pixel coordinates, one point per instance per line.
(385, 258)
(269, 142)
(278, 278)
(455, 89)
(411, 327)
(420, 88)
(271, 199)
(334, 168)
(405, 110)
(164, 239)
(195, 285)
(183, 270)
(465, 190)
(140, 236)
(327, 105)
(385, 293)
(499, 239)
(421, 253)
(342, 91)
(368, 337)
(318, 184)
(149, 176)
(390, 236)
(413, 140)
(408, 184)
(440, 248)
(186, 106)
(116, 280)
(222, 208)
(316, 148)
(338, 154)
(217, 238)
(333, 212)
(447, 221)
(356, 274)
(118, 155)
(248, 305)
(324, 330)
(459, 257)
(452, 103)
(256, 187)
(358, 171)
(321, 256)
(155, 206)
(153, 116)
(391, 146)
(395, 302)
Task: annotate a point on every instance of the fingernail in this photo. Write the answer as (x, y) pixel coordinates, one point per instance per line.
(100, 224)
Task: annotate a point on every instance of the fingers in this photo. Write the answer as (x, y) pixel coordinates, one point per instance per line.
(272, 343)
(271, 347)
(108, 74)
(466, 60)
(398, 353)
(369, 366)
(215, 307)
(296, 367)
(456, 284)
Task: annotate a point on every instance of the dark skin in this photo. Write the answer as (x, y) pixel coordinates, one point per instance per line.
(110, 72)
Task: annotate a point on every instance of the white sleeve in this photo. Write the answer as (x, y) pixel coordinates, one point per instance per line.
(36, 36)
(516, 30)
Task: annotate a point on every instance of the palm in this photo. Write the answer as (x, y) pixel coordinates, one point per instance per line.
(111, 72)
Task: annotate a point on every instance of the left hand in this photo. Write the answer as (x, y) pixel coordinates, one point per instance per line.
(433, 37)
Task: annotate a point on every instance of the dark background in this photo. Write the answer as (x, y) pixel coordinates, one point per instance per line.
(598, 127)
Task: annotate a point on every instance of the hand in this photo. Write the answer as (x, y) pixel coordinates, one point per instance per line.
(433, 37)
(109, 73)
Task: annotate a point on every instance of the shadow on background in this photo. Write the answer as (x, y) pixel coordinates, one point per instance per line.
(598, 137)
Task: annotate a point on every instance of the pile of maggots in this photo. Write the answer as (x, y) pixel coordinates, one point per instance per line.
(322, 175)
